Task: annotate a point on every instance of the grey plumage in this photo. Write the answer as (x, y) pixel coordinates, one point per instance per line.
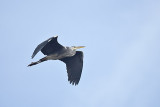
(55, 51)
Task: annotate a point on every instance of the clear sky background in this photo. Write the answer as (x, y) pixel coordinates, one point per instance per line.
(121, 58)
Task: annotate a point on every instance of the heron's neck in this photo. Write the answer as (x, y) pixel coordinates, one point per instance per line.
(71, 51)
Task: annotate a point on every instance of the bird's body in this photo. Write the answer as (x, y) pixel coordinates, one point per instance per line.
(69, 55)
(65, 52)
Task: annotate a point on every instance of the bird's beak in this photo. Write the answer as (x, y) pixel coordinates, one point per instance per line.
(78, 47)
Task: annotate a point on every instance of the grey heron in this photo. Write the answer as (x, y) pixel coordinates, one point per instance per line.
(55, 51)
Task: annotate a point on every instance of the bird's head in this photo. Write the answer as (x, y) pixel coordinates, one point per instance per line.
(76, 47)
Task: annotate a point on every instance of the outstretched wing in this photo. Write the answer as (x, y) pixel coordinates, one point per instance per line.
(74, 67)
(52, 46)
(48, 46)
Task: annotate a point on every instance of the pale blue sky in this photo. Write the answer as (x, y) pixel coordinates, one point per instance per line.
(121, 58)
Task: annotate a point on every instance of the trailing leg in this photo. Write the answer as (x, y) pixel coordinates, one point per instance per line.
(41, 60)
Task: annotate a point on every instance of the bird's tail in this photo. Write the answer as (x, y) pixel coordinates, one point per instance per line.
(41, 60)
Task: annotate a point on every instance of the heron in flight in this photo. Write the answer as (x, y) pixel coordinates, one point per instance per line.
(55, 51)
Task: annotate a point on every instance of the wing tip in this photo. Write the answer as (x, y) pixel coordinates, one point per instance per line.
(73, 82)
(32, 57)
